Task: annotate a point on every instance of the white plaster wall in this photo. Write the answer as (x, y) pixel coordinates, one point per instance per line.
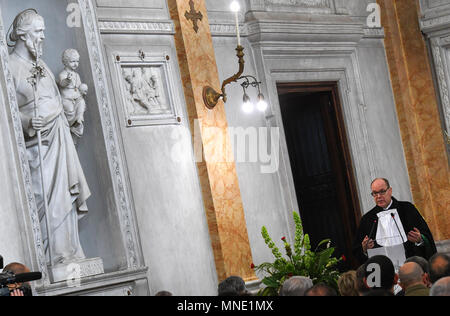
(262, 195)
(382, 123)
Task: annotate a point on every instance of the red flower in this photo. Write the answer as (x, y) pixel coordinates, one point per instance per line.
(344, 258)
(283, 239)
(252, 266)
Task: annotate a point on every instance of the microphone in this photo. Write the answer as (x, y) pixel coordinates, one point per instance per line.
(26, 277)
(393, 217)
(10, 278)
(373, 226)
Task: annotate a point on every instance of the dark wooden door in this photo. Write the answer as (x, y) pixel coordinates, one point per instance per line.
(321, 164)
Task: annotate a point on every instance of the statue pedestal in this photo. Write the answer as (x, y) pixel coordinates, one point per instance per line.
(76, 270)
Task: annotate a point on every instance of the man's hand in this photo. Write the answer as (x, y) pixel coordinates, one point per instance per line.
(367, 244)
(37, 123)
(415, 236)
(16, 292)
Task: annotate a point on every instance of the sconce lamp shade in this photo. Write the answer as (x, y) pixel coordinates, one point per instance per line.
(247, 106)
(262, 104)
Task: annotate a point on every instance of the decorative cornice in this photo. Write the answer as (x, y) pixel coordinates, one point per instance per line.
(127, 27)
(374, 33)
(434, 15)
(433, 24)
(305, 32)
(299, 6)
(227, 29)
(301, 3)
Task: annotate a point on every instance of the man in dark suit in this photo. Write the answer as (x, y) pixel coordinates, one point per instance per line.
(402, 217)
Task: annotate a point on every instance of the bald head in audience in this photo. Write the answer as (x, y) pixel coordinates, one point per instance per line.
(410, 274)
(441, 287)
(439, 267)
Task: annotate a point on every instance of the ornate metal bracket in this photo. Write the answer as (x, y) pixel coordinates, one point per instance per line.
(210, 96)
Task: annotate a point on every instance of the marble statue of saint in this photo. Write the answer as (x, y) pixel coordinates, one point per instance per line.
(73, 92)
(64, 182)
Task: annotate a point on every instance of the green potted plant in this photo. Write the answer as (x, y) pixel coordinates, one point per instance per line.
(318, 265)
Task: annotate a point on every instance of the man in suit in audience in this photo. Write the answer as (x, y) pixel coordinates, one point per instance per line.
(413, 280)
(439, 267)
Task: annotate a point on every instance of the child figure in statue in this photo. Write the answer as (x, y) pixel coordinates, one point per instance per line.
(73, 92)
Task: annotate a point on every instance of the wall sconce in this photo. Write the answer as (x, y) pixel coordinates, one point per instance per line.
(212, 97)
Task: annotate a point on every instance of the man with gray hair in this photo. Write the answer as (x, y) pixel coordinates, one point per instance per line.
(423, 263)
(232, 286)
(412, 280)
(296, 286)
(439, 267)
(441, 287)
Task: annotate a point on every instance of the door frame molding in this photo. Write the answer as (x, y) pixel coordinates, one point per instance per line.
(352, 218)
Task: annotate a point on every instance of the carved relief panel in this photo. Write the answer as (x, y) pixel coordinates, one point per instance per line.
(145, 86)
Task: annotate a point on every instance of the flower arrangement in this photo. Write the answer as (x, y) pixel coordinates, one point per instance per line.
(319, 265)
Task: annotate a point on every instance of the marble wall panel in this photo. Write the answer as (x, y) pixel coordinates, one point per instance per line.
(418, 113)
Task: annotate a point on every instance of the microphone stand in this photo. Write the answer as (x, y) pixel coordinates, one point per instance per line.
(398, 229)
(36, 73)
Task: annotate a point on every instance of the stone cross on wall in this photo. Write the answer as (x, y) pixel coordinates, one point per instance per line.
(193, 15)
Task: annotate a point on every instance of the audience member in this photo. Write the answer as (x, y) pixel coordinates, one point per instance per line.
(439, 267)
(379, 273)
(379, 292)
(423, 263)
(296, 286)
(232, 286)
(441, 287)
(321, 289)
(412, 280)
(18, 289)
(360, 285)
(347, 284)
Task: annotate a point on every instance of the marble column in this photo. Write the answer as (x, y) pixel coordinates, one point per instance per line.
(217, 172)
(418, 113)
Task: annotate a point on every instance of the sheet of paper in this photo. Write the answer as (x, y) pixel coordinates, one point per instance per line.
(395, 253)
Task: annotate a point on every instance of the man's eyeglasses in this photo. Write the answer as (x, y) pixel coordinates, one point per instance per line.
(381, 193)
